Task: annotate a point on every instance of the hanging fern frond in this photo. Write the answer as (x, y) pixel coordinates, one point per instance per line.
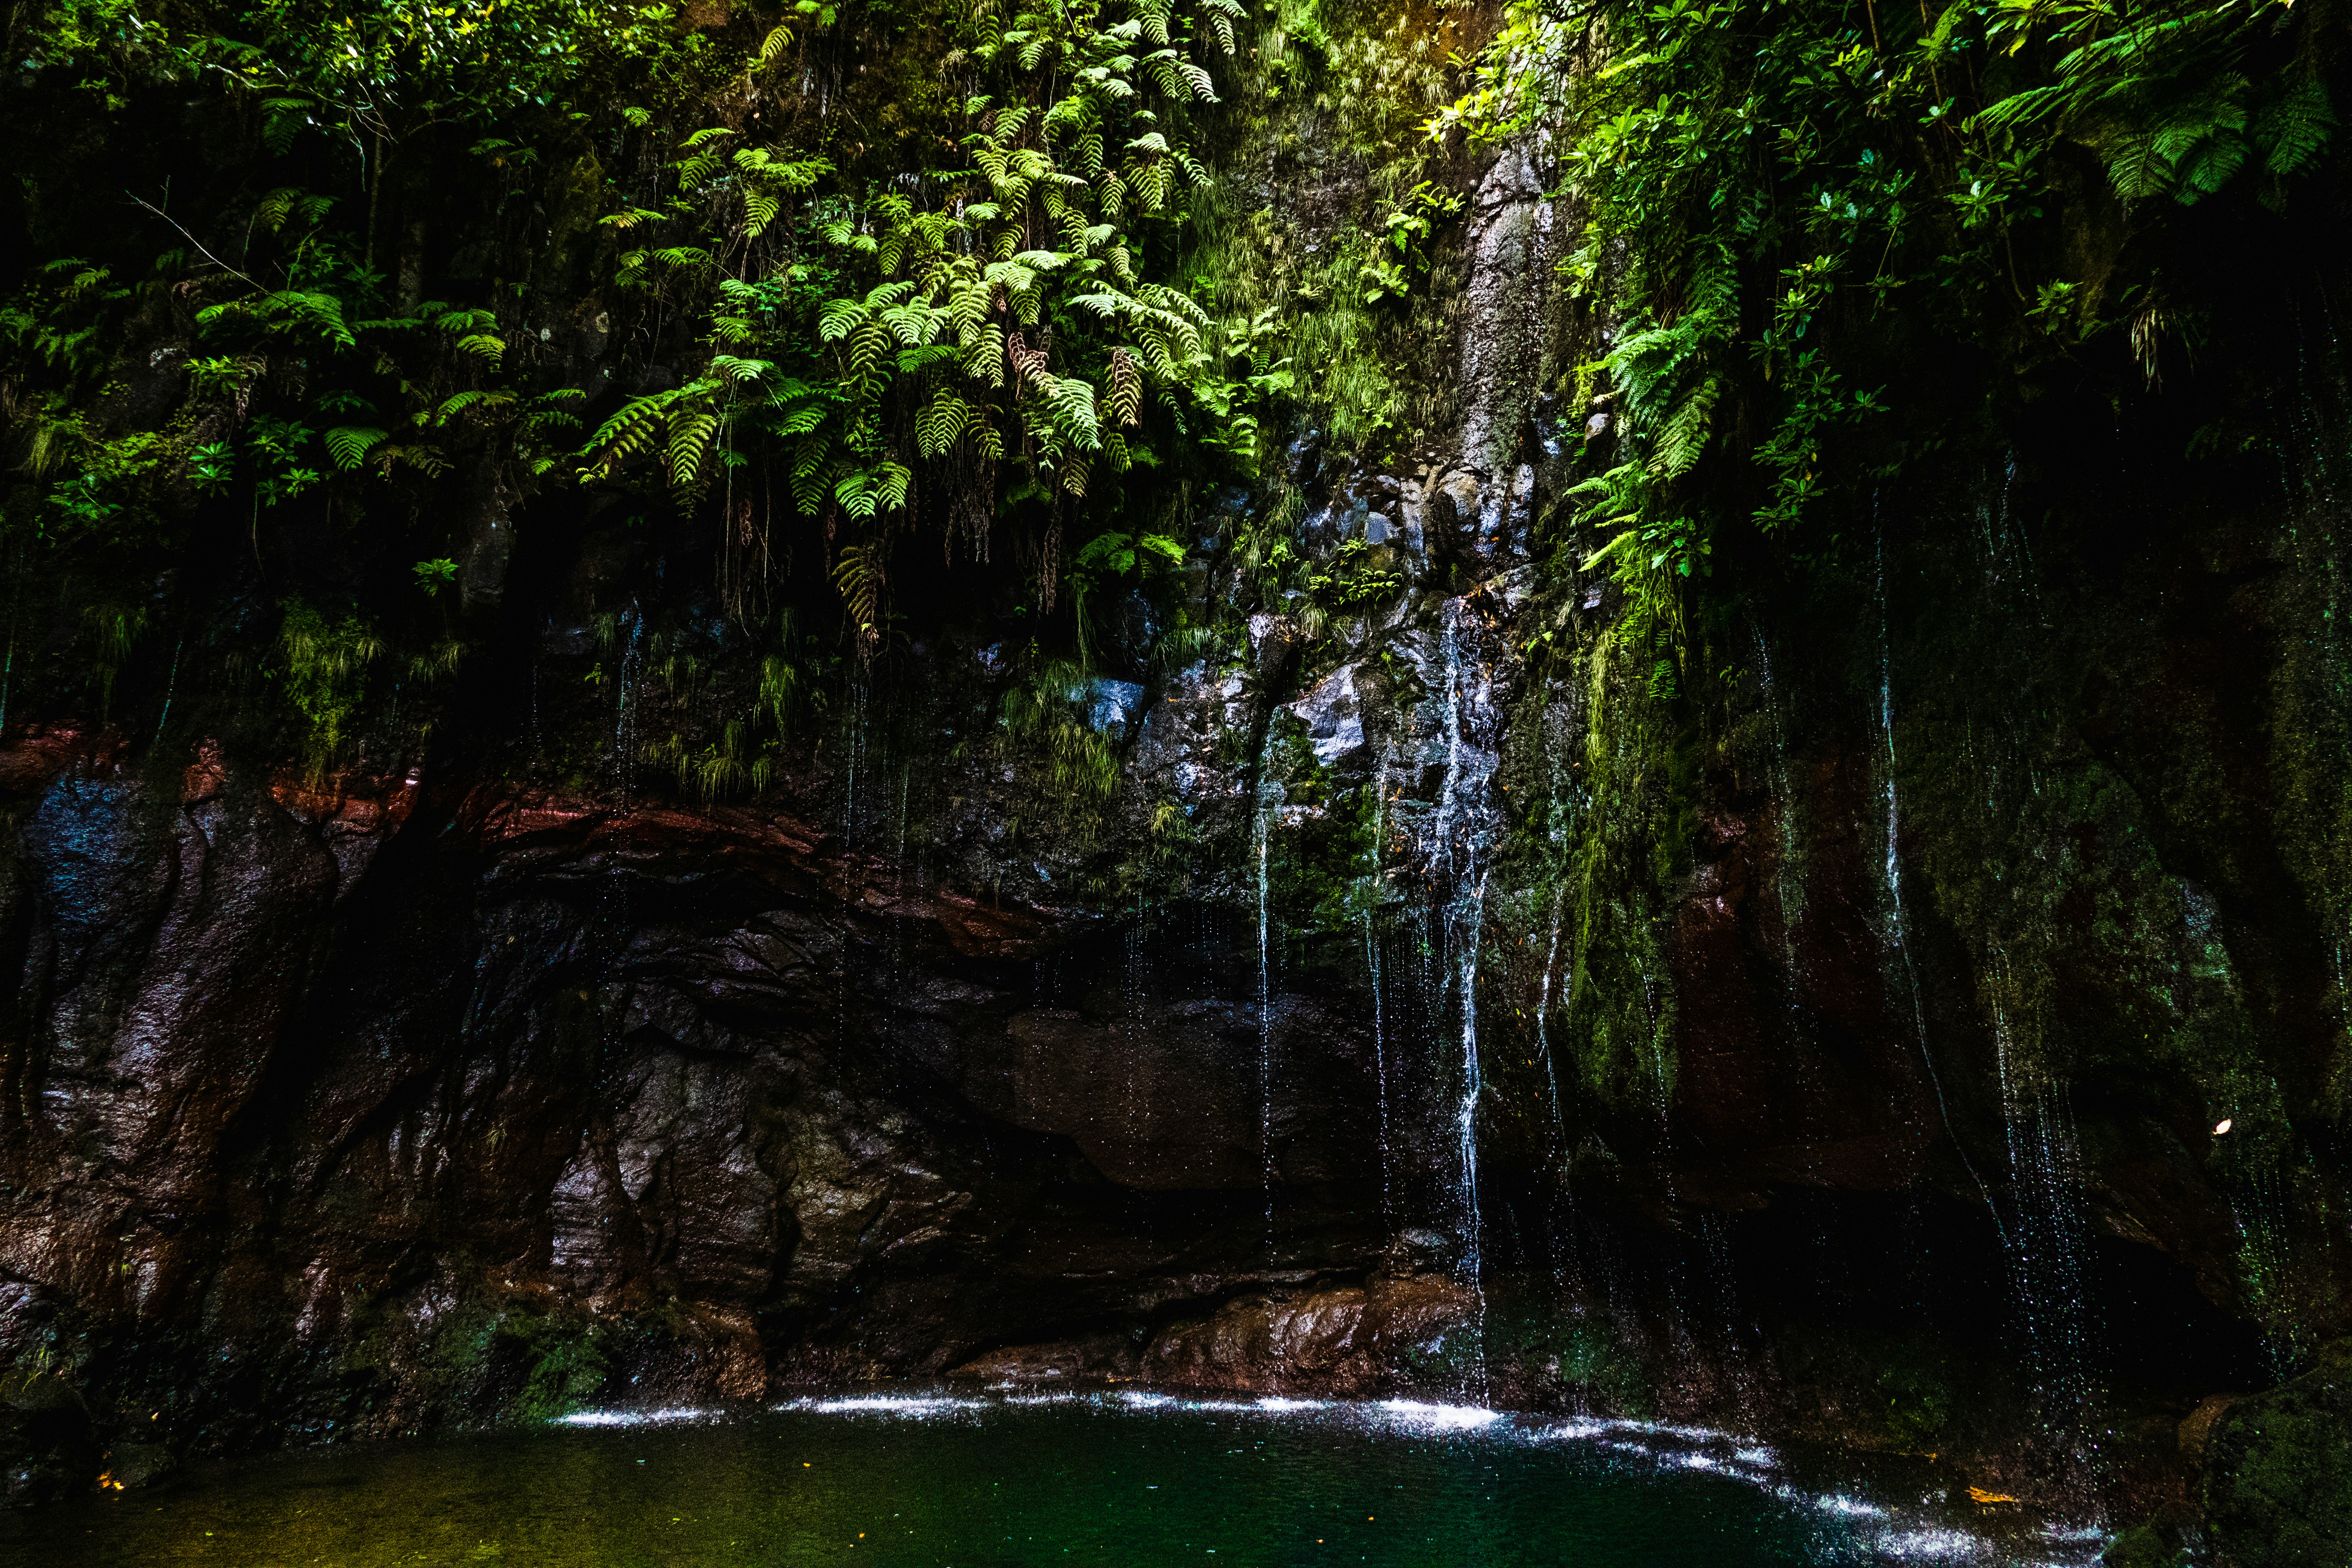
(857, 577)
(1682, 436)
(689, 442)
(2294, 131)
(349, 444)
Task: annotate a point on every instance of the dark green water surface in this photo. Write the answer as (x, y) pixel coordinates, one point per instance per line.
(1105, 1479)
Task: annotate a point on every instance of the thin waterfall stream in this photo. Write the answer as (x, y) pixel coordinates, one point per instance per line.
(1635, 829)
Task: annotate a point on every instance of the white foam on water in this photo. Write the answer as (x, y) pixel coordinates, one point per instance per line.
(1688, 1434)
(1278, 1405)
(1940, 1545)
(1841, 1504)
(917, 1406)
(1440, 1418)
(1135, 1398)
(632, 1418)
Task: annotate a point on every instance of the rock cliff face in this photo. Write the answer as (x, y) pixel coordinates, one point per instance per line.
(1438, 1000)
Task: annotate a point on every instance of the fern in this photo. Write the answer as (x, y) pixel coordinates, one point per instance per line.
(2294, 130)
(348, 444)
(857, 577)
(1682, 434)
(689, 442)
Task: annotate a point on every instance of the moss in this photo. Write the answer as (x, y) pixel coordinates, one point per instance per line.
(1321, 863)
(1618, 1002)
(2143, 1546)
(1916, 1401)
(514, 1362)
(2278, 1481)
(323, 665)
(567, 1370)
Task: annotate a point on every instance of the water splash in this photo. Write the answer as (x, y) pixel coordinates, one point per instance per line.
(2049, 1239)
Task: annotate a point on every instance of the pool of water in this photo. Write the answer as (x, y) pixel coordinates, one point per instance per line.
(1128, 1479)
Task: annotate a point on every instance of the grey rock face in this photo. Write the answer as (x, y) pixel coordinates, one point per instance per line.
(1514, 247)
(1333, 714)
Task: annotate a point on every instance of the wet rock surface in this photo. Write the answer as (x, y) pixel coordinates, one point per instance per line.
(1823, 1037)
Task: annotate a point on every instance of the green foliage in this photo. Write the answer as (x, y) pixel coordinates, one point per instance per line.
(2161, 92)
(1115, 558)
(1046, 712)
(434, 575)
(322, 664)
(1354, 575)
(1408, 229)
(1765, 183)
(1010, 319)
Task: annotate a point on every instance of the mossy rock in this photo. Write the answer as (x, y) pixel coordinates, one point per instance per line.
(2278, 1479)
(2142, 1546)
(47, 1448)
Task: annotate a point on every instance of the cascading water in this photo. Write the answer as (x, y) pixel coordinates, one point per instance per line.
(860, 693)
(1460, 834)
(1270, 796)
(1897, 937)
(2049, 1241)
(624, 719)
(1373, 900)
(1789, 881)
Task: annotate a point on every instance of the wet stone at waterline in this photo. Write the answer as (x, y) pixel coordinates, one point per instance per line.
(1130, 1479)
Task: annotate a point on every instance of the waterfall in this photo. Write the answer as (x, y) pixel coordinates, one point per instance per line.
(1897, 937)
(1543, 1018)
(1789, 884)
(1372, 968)
(1270, 796)
(1462, 810)
(624, 719)
(860, 689)
(1465, 941)
(172, 685)
(2047, 1241)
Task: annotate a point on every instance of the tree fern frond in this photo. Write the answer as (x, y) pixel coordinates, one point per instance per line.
(2293, 130)
(1683, 437)
(689, 442)
(349, 444)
